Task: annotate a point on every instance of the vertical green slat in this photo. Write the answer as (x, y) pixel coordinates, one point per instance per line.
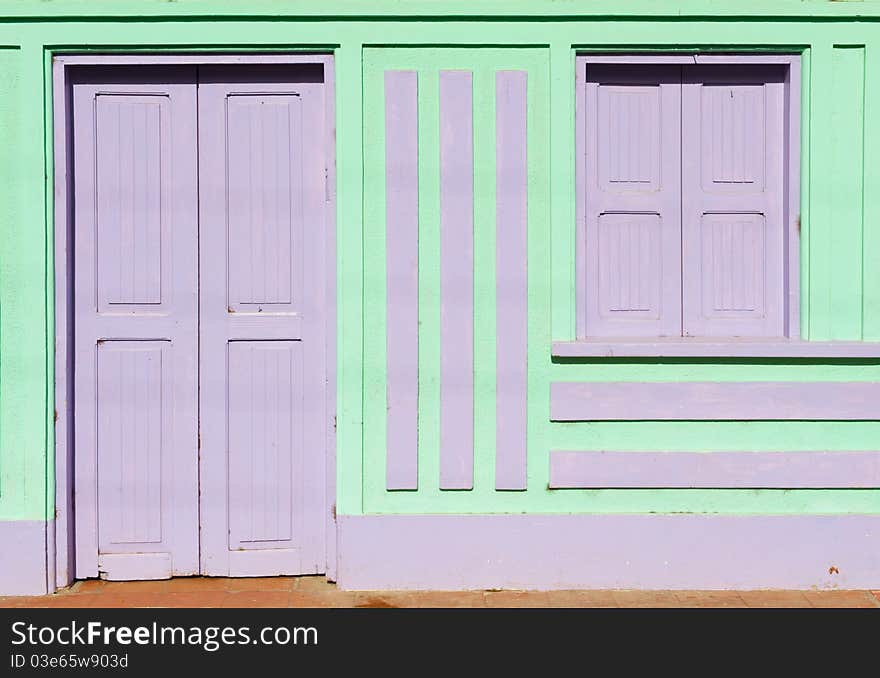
(429, 279)
(375, 364)
(847, 122)
(871, 232)
(820, 196)
(349, 231)
(562, 148)
(484, 276)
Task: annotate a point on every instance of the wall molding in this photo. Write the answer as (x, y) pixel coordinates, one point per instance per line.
(715, 401)
(714, 348)
(617, 551)
(764, 470)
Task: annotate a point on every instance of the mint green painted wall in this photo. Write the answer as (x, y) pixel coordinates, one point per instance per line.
(840, 217)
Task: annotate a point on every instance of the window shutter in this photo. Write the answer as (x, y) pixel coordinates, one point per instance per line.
(632, 204)
(732, 210)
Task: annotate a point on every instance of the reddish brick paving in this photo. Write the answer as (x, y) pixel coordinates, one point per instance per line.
(317, 592)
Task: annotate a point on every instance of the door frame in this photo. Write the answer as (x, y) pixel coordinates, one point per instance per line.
(60, 539)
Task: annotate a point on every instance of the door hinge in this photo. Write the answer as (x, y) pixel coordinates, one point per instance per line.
(333, 512)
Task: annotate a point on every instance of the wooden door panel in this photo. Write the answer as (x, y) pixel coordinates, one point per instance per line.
(136, 324)
(262, 164)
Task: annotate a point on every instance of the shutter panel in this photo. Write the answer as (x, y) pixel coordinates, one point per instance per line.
(633, 208)
(732, 190)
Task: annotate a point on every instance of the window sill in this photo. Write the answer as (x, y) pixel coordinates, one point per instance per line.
(715, 347)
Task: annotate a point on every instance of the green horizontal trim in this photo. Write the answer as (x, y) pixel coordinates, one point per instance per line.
(557, 9)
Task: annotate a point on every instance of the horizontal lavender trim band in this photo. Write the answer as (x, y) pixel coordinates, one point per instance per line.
(698, 401)
(713, 348)
(647, 551)
(782, 470)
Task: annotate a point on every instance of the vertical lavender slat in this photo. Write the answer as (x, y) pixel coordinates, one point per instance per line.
(402, 278)
(511, 220)
(456, 281)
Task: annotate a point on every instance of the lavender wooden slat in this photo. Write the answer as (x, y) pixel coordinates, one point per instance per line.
(784, 470)
(703, 347)
(402, 278)
(733, 232)
(263, 416)
(135, 248)
(511, 271)
(630, 200)
(756, 400)
(456, 281)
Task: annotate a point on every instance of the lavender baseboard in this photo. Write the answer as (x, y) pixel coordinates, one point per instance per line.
(22, 558)
(662, 551)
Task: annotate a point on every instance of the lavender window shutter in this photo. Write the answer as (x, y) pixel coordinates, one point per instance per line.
(632, 248)
(732, 211)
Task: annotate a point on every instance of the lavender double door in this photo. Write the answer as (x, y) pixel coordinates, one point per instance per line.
(198, 294)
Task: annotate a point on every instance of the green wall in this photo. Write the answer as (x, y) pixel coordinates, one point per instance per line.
(840, 221)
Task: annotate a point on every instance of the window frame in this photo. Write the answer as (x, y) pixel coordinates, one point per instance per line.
(791, 188)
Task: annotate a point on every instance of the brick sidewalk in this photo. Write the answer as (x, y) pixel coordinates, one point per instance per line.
(316, 592)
